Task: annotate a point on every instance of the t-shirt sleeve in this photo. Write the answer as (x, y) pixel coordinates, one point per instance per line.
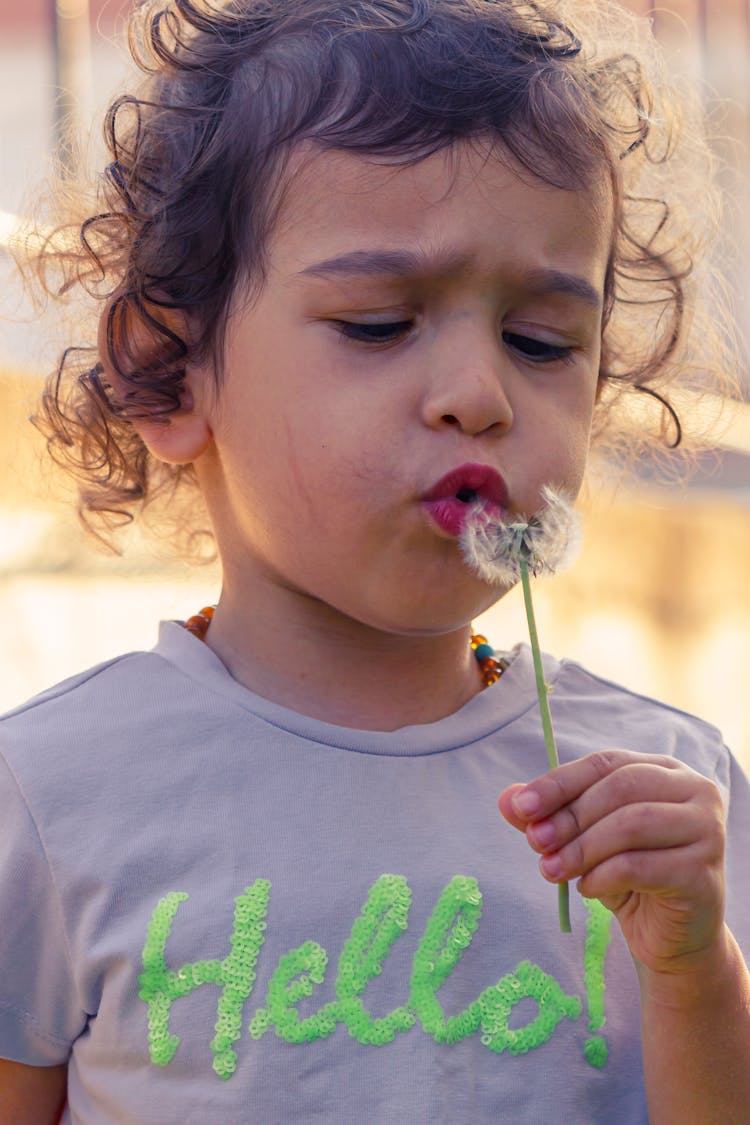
(738, 850)
(40, 1012)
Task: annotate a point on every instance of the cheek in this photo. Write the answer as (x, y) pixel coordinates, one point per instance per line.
(344, 437)
(564, 449)
(577, 452)
(335, 472)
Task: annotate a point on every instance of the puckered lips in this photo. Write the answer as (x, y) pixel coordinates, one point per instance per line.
(455, 496)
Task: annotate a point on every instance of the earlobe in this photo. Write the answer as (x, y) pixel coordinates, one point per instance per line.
(145, 340)
(182, 437)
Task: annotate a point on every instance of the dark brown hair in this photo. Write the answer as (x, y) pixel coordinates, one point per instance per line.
(199, 152)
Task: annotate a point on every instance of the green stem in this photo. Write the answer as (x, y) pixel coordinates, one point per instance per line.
(542, 691)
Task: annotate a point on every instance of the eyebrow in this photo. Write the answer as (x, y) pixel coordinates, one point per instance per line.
(405, 263)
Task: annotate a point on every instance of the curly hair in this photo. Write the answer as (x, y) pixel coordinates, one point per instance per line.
(198, 154)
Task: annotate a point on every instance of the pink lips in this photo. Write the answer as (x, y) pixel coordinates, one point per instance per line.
(451, 500)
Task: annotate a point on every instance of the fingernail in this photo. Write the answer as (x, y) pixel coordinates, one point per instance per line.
(543, 833)
(526, 802)
(551, 866)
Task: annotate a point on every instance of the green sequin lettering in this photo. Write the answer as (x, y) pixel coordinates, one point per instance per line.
(160, 986)
(294, 977)
(598, 937)
(448, 933)
(497, 1002)
(383, 920)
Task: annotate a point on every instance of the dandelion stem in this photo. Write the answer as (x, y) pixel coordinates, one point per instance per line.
(542, 691)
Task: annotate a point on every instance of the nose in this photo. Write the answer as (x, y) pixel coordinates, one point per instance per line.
(467, 386)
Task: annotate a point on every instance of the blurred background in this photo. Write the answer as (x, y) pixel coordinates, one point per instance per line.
(660, 598)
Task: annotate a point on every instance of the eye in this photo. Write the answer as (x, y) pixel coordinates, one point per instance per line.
(375, 332)
(537, 351)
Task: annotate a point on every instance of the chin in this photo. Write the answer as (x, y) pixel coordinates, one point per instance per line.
(431, 617)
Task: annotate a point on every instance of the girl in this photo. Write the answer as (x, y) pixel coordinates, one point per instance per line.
(361, 265)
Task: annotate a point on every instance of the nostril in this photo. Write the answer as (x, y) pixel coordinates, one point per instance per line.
(451, 419)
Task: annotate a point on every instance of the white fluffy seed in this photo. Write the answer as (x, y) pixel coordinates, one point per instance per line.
(547, 542)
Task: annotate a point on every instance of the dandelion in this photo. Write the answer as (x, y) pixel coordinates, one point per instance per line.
(502, 553)
(546, 543)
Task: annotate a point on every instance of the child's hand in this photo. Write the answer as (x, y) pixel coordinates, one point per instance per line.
(644, 834)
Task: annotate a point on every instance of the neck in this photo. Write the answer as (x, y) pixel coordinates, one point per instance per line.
(340, 671)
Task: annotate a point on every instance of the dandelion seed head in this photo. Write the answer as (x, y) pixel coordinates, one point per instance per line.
(547, 542)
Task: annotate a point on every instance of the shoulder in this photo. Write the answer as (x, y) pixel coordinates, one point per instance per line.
(127, 686)
(105, 682)
(586, 686)
(96, 677)
(84, 717)
(620, 717)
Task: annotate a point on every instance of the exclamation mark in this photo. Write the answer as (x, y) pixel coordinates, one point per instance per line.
(598, 937)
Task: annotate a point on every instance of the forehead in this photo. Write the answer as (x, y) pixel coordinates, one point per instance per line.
(470, 209)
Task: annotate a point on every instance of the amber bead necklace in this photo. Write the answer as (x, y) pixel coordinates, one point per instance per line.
(491, 667)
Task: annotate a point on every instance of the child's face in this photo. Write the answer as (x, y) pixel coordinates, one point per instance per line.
(414, 320)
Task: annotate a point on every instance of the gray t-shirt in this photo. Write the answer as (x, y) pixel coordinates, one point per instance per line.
(221, 911)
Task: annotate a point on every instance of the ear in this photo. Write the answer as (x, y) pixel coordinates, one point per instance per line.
(128, 340)
(182, 437)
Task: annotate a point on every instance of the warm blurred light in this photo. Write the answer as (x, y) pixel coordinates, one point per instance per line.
(714, 422)
(736, 435)
(73, 9)
(71, 50)
(18, 234)
(8, 226)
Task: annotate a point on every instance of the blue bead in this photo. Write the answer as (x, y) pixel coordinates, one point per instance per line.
(483, 651)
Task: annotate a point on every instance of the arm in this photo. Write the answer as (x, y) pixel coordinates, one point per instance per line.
(696, 1040)
(31, 1095)
(645, 835)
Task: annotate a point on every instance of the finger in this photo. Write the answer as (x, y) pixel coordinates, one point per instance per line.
(633, 828)
(505, 804)
(552, 791)
(632, 786)
(669, 874)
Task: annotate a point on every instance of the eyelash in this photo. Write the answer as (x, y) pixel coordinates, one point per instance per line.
(532, 349)
(376, 333)
(538, 351)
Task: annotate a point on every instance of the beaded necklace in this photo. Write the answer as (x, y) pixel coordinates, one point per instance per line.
(491, 667)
